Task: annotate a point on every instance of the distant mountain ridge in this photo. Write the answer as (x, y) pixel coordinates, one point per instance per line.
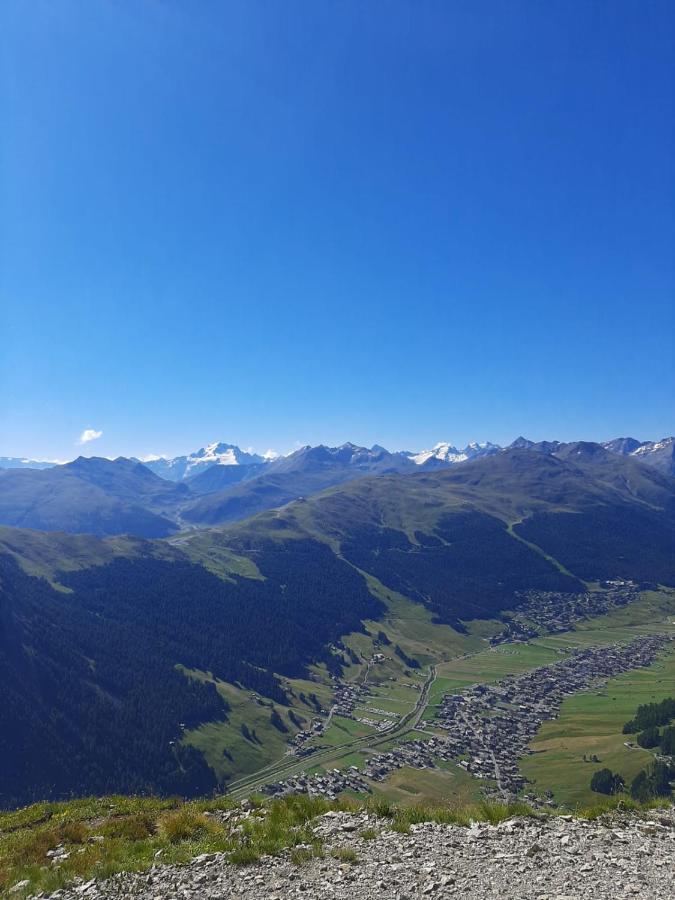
(216, 454)
(220, 483)
(91, 495)
(235, 465)
(19, 462)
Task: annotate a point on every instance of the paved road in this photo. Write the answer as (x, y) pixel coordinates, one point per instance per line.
(288, 766)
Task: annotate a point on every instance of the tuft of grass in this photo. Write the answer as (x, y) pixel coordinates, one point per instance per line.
(494, 813)
(73, 833)
(131, 828)
(620, 804)
(184, 825)
(380, 807)
(345, 854)
(244, 856)
(301, 855)
(368, 834)
(487, 811)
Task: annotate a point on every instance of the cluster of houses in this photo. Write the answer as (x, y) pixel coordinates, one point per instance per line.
(418, 754)
(489, 727)
(542, 612)
(347, 695)
(299, 743)
(330, 784)
(386, 721)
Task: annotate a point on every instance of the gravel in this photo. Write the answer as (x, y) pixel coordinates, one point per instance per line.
(554, 858)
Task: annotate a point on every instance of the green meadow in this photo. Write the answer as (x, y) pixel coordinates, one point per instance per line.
(590, 723)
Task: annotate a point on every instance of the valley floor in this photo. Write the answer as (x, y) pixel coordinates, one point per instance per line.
(593, 717)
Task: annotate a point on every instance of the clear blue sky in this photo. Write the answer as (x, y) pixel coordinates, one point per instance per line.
(280, 222)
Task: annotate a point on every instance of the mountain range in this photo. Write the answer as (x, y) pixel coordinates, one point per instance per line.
(109, 647)
(221, 483)
(178, 468)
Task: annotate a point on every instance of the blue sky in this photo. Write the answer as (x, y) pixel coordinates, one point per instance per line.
(298, 222)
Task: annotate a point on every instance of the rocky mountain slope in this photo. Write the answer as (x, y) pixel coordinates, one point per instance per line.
(360, 856)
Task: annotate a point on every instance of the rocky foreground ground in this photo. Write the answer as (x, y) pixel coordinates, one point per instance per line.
(547, 858)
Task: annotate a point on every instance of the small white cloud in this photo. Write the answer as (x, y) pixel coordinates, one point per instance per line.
(89, 434)
(153, 457)
(270, 454)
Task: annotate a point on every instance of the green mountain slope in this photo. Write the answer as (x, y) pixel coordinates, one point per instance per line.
(95, 496)
(97, 636)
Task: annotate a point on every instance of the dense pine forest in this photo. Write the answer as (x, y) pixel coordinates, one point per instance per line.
(482, 584)
(90, 677)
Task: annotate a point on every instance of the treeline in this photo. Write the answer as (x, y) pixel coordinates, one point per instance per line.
(651, 714)
(646, 724)
(653, 737)
(655, 780)
(648, 784)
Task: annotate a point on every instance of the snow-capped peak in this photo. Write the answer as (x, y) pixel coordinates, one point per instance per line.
(442, 452)
(475, 446)
(448, 454)
(214, 454)
(651, 446)
(219, 454)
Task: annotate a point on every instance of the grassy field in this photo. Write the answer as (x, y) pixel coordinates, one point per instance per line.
(349, 759)
(341, 731)
(444, 785)
(411, 626)
(654, 611)
(490, 665)
(227, 751)
(591, 723)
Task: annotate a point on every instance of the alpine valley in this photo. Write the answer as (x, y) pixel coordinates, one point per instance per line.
(230, 621)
